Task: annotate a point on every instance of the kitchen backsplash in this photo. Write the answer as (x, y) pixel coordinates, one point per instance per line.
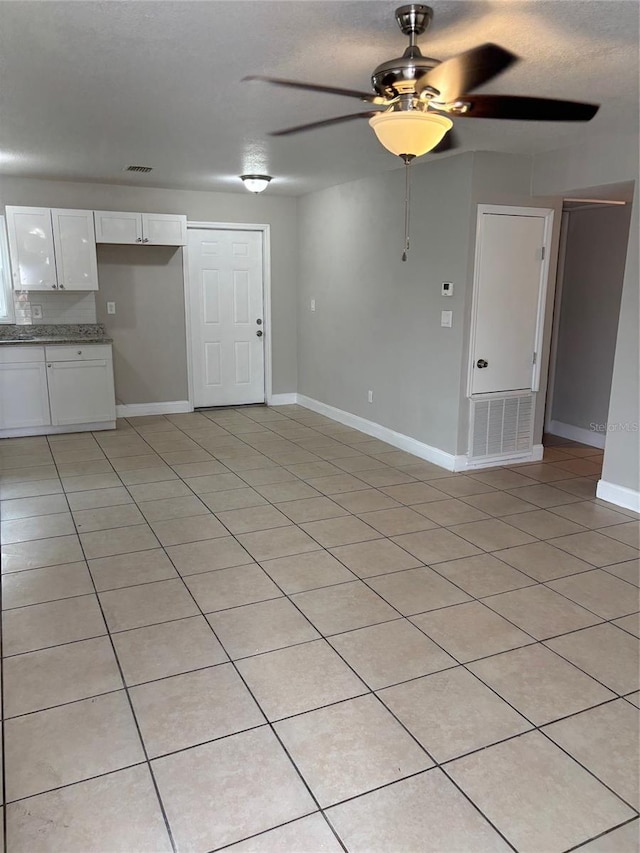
(79, 307)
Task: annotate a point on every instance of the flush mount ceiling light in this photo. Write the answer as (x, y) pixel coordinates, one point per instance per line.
(255, 183)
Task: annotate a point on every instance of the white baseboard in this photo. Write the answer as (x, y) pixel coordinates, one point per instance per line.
(23, 432)
(282, 399)
(574, 433)
(618, 495)
(397, 439)
(136, 410)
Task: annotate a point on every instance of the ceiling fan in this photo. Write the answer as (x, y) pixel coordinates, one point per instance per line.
(415, 96)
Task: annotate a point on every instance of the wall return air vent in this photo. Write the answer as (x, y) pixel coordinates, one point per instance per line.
(501, 426)
(143, 169)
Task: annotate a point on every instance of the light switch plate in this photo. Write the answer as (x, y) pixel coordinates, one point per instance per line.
(111, 307)
(313, 304)
(446, 319)
(36, 312)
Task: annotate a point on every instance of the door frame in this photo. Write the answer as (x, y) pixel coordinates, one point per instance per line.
(555, 328)
(510, 210)
(266, 295)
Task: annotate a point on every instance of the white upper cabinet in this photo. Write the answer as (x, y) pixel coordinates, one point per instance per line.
(75, 247)
(164, 229)
(31, 248)
(52, 249)
(152, 229)
(114, 227)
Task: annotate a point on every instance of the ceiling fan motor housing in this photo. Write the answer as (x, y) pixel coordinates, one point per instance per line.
(398, 76)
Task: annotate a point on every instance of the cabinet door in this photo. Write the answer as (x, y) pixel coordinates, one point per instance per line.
(81, 392)
(24, 401)
(113, 227)
(31, 248)
(164, 229)
(75, 245)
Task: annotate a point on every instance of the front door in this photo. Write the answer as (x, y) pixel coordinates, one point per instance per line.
(509, 288)
(226, 313)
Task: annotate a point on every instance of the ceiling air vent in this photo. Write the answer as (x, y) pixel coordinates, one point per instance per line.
(143, 169)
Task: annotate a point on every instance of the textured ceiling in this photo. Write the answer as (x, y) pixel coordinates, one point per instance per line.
(89, 87)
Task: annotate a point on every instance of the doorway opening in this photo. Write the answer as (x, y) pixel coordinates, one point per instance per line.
(593, 248)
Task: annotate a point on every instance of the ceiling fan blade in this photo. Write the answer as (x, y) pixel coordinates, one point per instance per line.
(328, 121)
(448, 143)
(370, 97)
(467, 71)
(526, 109)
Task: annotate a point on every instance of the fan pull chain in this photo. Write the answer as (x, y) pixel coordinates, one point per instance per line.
(407, 203)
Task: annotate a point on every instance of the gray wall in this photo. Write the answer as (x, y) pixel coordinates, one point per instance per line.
(596, 250)
(277, 211)
(610, 160)
(377, 320)
(149, 352)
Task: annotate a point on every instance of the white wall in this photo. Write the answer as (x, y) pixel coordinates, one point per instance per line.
(169, 339)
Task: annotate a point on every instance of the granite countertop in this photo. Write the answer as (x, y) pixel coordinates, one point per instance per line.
(73, 333)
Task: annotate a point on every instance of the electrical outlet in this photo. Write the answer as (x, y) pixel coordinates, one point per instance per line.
(36, 312)
(313, 304)
(370, 396)
(447, 288)
(111, 307)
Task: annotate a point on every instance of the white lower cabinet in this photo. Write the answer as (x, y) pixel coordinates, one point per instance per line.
(80, 392)
(24, 400)
(44, 390)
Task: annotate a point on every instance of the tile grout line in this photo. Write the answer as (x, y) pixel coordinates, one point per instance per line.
(363, 580)
(129, 701)
(370, 692)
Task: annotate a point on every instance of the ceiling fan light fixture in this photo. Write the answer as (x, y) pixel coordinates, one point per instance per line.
(255, 183)
(410, 133)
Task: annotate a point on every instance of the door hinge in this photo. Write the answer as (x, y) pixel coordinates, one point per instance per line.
(543, 252)
(535, 357)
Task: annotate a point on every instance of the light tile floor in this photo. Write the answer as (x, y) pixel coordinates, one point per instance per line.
(260, 630)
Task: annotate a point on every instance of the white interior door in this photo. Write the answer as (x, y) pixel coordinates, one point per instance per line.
(226, 314)
(509, 291)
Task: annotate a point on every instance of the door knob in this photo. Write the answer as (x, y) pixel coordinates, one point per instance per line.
(259, 333)
(482, 363)
(259, 322)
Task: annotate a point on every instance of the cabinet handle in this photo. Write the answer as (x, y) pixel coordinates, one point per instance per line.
(138, 239)
(146, 240)
(79, 352)
(54, 286)
(61, 286)
(48, 365)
